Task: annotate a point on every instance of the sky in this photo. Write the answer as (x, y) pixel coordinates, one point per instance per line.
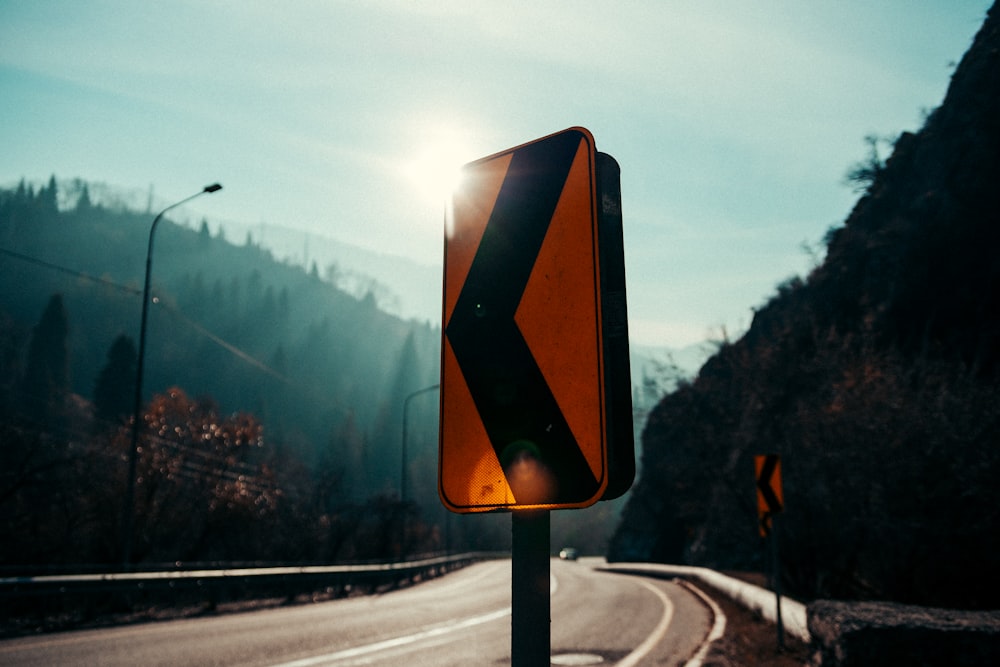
(734, 121)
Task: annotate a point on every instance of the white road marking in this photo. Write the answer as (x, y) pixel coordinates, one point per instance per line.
(643, 649)
(718, 627)
(435, 631)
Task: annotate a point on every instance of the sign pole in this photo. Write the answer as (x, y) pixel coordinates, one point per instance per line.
(776, 579)
(770, 502)
(530, 635)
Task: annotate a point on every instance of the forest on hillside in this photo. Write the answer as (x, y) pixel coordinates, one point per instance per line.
(272, 408)
(877, 381)
(275, 407)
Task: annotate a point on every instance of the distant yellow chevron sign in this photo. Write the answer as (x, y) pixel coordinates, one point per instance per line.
(770, 498)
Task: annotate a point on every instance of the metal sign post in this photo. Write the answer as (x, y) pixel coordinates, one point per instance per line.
(776, 584)
(770, 502)
(530, 624)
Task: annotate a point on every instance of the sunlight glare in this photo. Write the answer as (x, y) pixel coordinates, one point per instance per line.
(436, 170)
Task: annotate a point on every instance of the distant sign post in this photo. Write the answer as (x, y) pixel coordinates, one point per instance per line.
(771, 501)
(535, 390)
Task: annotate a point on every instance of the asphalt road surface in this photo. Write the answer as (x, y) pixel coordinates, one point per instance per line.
(461, 619)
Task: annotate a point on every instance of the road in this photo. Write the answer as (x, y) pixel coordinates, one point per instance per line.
(461, 619)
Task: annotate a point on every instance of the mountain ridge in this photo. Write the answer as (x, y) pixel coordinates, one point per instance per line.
(876, 381)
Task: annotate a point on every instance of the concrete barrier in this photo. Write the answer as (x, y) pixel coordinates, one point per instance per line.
(855, 634)
(754, 598)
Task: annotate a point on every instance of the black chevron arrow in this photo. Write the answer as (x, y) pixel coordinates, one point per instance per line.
(764, 484)
(515, 404)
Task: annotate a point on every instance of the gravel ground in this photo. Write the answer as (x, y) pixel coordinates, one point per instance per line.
(750, 641)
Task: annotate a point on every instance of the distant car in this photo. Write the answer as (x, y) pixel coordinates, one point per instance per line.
(568, 553)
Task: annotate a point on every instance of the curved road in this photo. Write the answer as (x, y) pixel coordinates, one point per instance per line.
(460, 619)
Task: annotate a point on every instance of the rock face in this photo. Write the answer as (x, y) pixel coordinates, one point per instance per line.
(877, 380)
(881, 633)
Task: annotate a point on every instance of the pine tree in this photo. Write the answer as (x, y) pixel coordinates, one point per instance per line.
(46, 377)
(204, 235)
(83, 203)
(114, 388)
(48, 196)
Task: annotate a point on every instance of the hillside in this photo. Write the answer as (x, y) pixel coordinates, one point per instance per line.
(399, 285)
(256, 371)
(875, 379)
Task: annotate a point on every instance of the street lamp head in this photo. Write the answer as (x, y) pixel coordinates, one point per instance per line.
(214, 187)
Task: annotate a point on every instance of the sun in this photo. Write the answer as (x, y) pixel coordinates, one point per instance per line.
(435, 170)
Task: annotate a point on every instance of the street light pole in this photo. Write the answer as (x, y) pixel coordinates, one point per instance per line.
(402, 467)
(128, 509)
(406, 407)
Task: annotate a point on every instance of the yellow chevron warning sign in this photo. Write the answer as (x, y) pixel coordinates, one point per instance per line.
(770, 498)
(523, 406)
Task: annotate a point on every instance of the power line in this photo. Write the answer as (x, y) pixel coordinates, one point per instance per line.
(226, 345)
(130, 290)
(307, 392)
(77, 274)
(218, 340)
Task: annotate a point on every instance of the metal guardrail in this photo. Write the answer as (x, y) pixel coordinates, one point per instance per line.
(299, 576)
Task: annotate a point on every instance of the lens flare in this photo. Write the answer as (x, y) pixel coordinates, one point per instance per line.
(530, 480)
